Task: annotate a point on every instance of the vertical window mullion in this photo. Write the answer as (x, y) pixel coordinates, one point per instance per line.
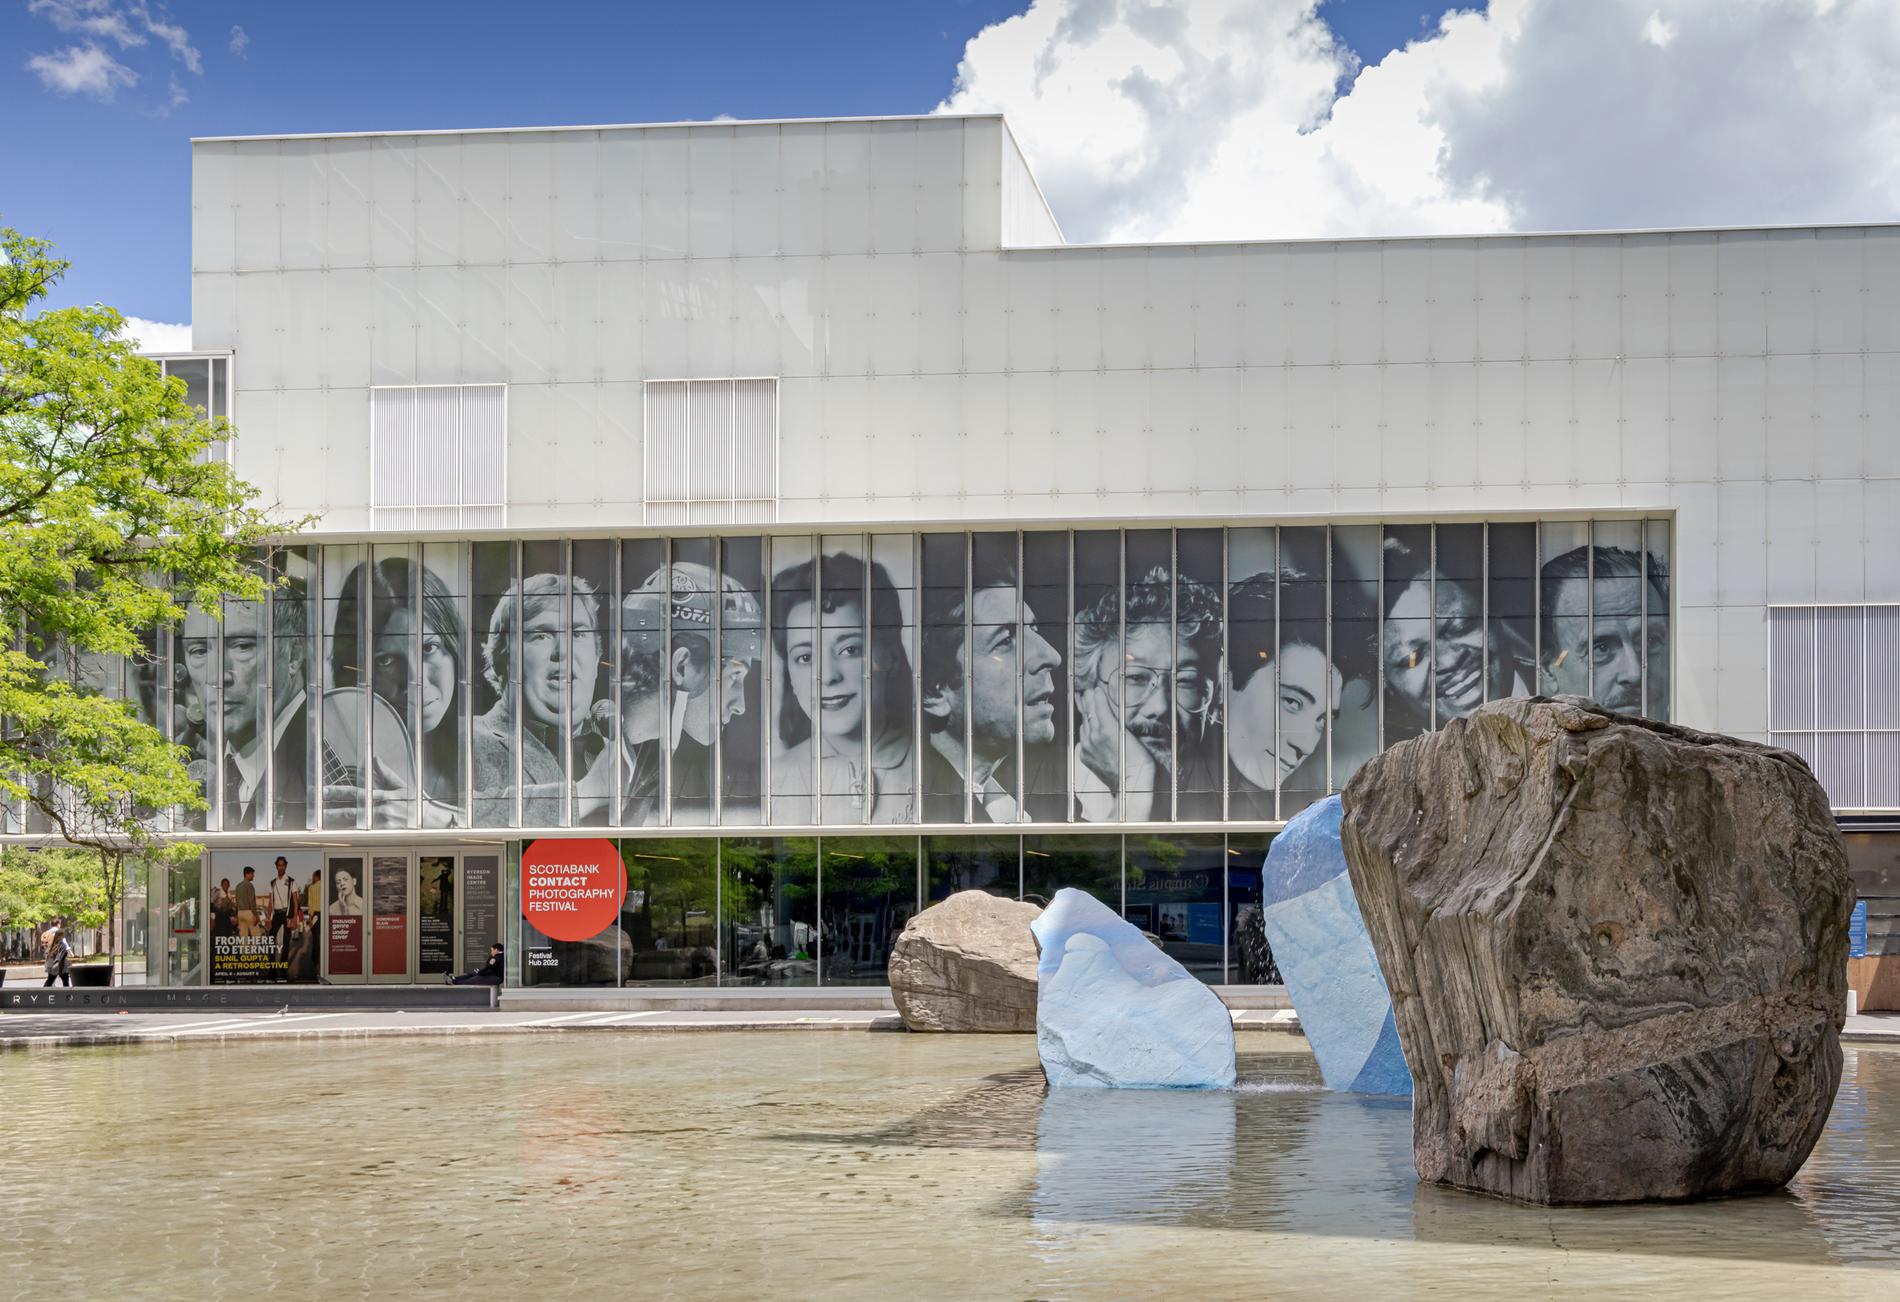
(1332, 704)
(1022, 642)
(1174, 671)
(1279, 573)
(969, 664)
(666, 670)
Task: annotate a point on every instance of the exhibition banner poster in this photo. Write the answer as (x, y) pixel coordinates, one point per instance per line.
(346, 917)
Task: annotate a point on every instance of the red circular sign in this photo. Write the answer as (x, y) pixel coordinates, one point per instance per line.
(571, 890)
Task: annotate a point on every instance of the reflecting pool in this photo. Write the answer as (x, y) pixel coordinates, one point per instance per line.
(830, 1165)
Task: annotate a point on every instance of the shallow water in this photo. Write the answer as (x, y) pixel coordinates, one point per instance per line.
(829, 1165)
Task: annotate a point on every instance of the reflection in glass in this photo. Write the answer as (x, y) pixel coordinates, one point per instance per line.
(668, 914)
(1175, 890)
(1091, 863)
(1249, 955)
(972, 863)
(869, 892)
(769, 911)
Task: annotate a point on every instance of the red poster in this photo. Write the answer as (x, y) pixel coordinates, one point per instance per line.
(392, 944)
(571, 890)
(346, 946)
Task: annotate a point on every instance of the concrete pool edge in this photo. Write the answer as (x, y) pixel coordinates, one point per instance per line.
(23, 1031)
(49, 1031)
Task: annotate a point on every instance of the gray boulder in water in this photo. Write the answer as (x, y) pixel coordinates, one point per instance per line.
(967, 964)
(1616, 951)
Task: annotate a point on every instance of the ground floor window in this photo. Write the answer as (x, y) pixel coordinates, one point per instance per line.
(825, 910)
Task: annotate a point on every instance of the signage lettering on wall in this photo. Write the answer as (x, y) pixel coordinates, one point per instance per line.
(572, 890)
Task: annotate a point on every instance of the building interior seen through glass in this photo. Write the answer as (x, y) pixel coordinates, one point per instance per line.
(825, 910)
(1153, 675)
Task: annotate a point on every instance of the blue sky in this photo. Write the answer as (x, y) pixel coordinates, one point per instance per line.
(109, 178)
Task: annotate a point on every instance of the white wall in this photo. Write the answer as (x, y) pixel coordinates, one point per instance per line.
(1744, 380)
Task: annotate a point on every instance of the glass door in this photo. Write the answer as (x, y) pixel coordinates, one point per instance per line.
(435, 915)
(390, 892)
(184, 937)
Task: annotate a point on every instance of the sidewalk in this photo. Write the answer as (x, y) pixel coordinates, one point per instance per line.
(53, 1030)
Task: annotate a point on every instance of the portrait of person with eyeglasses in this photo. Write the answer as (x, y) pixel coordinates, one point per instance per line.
(1145, 700)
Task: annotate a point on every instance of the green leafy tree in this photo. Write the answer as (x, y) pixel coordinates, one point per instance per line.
(42, 885)
(106, 484)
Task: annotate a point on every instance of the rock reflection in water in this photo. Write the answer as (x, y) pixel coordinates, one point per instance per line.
(1134, 1155)
(842, 1166)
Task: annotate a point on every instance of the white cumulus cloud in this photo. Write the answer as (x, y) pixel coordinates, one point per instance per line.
(1225, 119)
(82, 70)
(88, 68)
(157, 336)
(240, 41)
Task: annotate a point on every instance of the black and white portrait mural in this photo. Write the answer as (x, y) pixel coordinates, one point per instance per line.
(842, 687)
(1152, 675)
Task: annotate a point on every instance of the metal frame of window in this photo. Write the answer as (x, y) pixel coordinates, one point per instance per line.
(1813, 732)
(461, 505)
(730, 500)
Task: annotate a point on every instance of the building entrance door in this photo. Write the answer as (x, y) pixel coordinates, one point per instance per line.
(345, 918)
(436, 944)
(391, 896)
(458, 910)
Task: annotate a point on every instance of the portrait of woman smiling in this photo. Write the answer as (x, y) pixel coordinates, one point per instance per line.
(851, 676)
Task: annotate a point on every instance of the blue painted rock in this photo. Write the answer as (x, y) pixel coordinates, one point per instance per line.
(1113, 1011)
(1327, 960)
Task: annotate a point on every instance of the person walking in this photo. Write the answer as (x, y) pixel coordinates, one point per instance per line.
(59, 958)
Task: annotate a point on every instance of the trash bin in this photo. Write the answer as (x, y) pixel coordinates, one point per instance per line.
(92, 974)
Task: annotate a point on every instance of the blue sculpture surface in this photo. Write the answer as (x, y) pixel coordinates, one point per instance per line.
(1113, 1011)
(1331, 972)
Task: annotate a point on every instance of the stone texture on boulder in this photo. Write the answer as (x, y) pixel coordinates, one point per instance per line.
(967, 964)
(1616, 951)
(1326, 959)
(1113, 1011)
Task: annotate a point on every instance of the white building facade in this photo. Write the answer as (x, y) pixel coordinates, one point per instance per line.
(789, 508)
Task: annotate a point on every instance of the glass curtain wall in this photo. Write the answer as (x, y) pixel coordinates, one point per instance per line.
(1146, 676)
(826, 910)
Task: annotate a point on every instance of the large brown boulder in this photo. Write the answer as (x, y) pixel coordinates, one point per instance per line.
(967, 964)
(1616, 951)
